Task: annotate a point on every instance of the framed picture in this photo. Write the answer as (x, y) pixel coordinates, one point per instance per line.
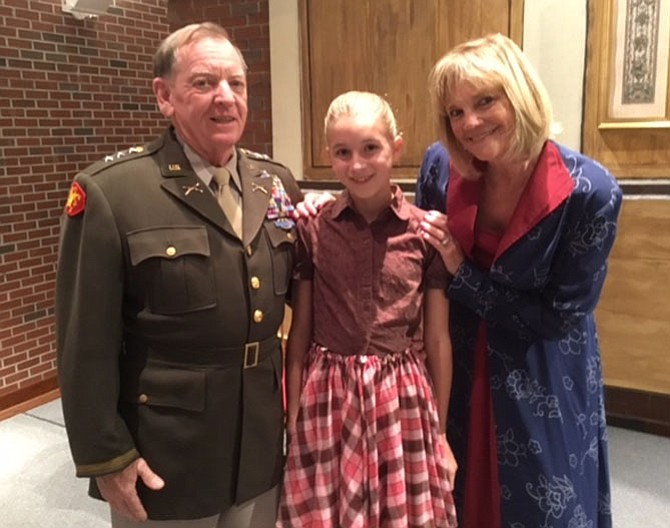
(639, 52)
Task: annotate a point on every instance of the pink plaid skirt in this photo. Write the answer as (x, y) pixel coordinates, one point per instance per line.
(366, 451)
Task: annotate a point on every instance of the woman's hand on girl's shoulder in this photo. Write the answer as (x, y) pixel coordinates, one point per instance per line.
(436, 232)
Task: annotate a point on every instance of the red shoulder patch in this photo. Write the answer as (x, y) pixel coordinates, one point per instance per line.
(76, 200)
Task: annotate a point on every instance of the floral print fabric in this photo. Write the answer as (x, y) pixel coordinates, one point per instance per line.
(537, 300)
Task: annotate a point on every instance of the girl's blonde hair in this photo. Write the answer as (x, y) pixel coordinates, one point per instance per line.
(352, 103)
(493, 62)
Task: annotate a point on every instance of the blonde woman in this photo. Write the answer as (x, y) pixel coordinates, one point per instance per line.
(525, 227)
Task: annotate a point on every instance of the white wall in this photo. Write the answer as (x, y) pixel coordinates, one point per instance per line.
(554, 40)
(286, 85)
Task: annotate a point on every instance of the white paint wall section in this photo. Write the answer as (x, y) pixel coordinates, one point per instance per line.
(285, 72)
(554, 39)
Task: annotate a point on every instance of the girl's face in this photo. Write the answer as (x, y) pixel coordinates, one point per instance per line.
(482, 120)
(362, 153)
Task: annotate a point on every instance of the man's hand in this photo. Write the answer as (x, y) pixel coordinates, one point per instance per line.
(311, 204)
(120, 491)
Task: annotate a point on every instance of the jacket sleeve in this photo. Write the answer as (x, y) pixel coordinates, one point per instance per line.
(571, 285)
(293, 190)
(89, 296)
(431, 185)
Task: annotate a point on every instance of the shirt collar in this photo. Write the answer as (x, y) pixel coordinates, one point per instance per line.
(204, 170)
(398, 206)
(548, 187)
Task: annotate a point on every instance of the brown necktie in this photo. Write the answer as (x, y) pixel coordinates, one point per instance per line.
(229, 199)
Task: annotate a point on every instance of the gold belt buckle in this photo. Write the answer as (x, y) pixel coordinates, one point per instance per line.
(251, 352)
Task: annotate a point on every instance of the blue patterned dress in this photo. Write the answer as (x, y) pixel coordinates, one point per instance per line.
(536, 301)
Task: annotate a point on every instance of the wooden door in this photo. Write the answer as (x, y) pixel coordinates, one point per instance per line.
(387, 47)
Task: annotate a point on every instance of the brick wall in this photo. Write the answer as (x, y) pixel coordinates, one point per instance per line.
(72, 91)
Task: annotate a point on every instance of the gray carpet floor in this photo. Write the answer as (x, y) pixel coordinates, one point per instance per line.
(38, 487)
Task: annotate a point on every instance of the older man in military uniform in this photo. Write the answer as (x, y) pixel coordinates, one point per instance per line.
(170, 292)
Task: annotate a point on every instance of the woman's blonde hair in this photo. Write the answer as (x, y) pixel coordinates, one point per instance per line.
(352, 103)
(491, 63)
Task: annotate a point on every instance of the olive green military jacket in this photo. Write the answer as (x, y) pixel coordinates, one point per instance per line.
(167, 323)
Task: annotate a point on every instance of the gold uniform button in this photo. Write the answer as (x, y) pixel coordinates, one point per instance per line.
(255, 283)
(249, 250)
(289, 236)
(143, 398)
(170, 251)
(258, 316)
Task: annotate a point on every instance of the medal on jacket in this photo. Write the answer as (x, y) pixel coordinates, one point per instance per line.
(280, 208)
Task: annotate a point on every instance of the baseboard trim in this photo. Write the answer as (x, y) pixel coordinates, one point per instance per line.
(29, 397)
(647, 412)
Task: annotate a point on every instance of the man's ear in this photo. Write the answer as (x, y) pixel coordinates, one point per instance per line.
(162, 92)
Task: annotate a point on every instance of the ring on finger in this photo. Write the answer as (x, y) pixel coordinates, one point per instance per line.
(445, 241)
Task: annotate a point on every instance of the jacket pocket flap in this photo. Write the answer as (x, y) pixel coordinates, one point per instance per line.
(280, 236)
(167, 242)
(169, 386)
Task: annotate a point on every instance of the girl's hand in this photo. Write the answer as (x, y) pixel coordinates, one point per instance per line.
(311, 204)
(450, 460)
(290, 425)
(436, 232)
(290, 431)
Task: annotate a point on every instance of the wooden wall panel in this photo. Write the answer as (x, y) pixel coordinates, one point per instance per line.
(638, 151)
(633, 315)
(461, 21)
(387, 47)
(634, 312)
(374, 46)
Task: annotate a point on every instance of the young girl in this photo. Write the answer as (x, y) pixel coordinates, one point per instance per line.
(367, 444)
